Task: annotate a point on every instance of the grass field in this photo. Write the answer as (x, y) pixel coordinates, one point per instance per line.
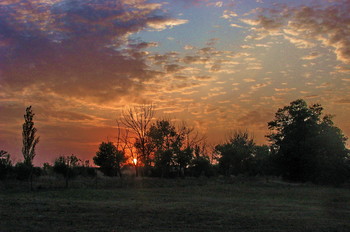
(178, 205)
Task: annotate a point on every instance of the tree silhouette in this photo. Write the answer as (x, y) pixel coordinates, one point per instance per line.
(173, 147)
(65, 165)
(5, 164)
(167, 142)
(29, 137)
(200, 165)
(109, 158)
(308, 147)
(30, 140)
(234, 154)
(192, 145)
(138, 121)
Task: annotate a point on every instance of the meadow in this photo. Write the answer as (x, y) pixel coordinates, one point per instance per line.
(175, 205)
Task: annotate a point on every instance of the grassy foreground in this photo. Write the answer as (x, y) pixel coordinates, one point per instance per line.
(209, 206)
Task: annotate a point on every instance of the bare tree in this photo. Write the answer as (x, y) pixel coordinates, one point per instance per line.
(191, 136)
(120, 143)
(138, 120)
(135, 156)
(193, 142)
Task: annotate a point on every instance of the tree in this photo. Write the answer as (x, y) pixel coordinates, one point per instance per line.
(109, 158)
(183, 158)
(259, 162)
(192, 144)
(307, 146)
(30, 140)
(5, 164)
(138, 121)
(200, 164)
(65, 165)
(126, 144)
(234, 154)
(167, 142)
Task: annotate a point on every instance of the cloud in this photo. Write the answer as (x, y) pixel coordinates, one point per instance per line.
(194, 59)
(161, 24)
(259, 86)
(173, 68)
(311, 56)
(306, 25)
(77, 63)
(300, 43)
(311, 96)
(250, 22)
(255, 118)
(204, 78)
(219, 4)
(236, 25)
(182, 78)
(342, 69)
(323, 85)
(249, 80)
(228, 14)
(343, 101)
(78, 49)
(284, 89)
(189, 47)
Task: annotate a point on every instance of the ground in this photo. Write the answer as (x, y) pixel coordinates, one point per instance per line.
(177, 205)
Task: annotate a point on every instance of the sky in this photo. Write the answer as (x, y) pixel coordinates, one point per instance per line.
(219, 66)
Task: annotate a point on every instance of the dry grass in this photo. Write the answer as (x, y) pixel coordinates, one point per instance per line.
(176, 205)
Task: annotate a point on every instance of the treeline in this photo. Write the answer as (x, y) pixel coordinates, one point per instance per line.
(305, 146)
(67, 167)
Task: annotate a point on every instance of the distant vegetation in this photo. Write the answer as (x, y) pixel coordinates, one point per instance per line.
(305, 146)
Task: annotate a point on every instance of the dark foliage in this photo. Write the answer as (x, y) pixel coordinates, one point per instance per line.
(5, 164)
(235, 154)
(201, 166)
(109, 158)
(167, 143)
(30, 140)
(259, 162)
(22, 171)
(308, 147)
(66, 166)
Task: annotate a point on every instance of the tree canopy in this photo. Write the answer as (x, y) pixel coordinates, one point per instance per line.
(307, 146)
(30, 140)
(234, 154)
(109, 158)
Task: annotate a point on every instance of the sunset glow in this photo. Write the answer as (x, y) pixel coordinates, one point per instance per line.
(218, 65)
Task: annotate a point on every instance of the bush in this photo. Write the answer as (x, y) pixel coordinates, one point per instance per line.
(22, 171)
(5, 165)
(201, 166)
(85, 171)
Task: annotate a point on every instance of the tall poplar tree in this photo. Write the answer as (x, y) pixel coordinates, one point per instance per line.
(30, 140)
